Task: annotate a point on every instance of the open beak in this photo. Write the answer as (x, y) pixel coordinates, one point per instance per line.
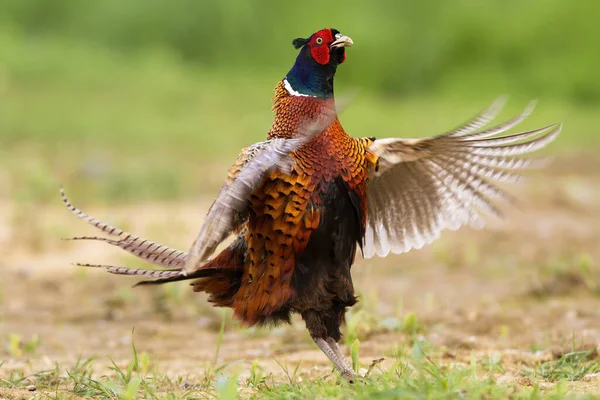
(342, 41)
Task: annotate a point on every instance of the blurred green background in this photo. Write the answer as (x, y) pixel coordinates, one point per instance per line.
(137, 100)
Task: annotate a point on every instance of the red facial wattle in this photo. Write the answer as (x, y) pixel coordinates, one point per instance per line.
(319, 46)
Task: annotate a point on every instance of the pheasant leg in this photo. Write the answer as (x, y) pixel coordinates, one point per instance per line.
(336, 349)
(338, 360)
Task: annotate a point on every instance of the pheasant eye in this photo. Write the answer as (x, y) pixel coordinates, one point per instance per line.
(319, 40)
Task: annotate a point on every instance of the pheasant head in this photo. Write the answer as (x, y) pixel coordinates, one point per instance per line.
(315, 66)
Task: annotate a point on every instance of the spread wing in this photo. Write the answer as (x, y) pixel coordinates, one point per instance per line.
(423, 186)
(229, 210)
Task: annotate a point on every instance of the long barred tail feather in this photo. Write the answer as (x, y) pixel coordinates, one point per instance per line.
(159, 254)
(150, 273)
(145, 249)
(158, 276)
(155, 253)
(104, 227)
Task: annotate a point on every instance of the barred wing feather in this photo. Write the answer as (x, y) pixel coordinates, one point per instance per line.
(229, 210)
(424, 186)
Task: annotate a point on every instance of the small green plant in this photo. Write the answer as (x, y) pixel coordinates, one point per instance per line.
(585, 270)
(125, 377)
(17, 347)
(351, 324)
(293, 376)
(220, 337)
(493, 363)
(257, 376)
(361, 322)
(411, 324)
(131, 392)
(227, 386)
(572, 366)
(354, 350)
(145, 362)
(14, 345)
(31, 346)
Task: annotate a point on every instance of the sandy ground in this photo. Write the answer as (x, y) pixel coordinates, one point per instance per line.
(524, 290)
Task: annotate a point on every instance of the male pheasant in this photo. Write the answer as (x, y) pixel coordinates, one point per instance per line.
(303, 201)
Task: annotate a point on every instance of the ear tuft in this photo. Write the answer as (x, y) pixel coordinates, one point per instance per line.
(299, 42)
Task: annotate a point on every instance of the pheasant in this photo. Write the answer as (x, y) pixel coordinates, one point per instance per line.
(302, 203)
